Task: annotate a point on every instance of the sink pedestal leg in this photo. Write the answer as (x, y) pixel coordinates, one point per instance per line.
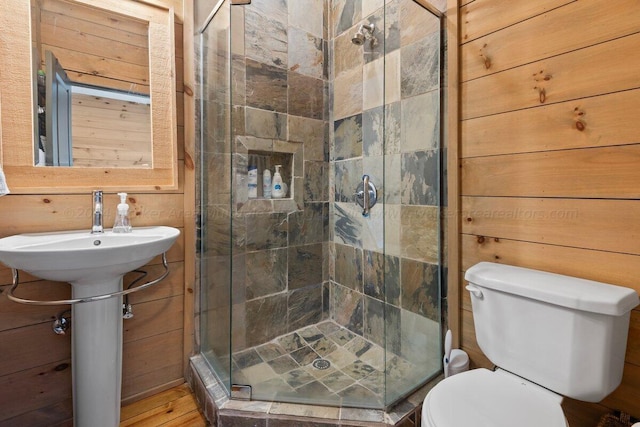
(97, 356)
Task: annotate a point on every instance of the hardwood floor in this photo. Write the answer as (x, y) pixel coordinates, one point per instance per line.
(175, 407)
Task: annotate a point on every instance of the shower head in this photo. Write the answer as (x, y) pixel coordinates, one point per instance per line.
(364, 33)
(358, 39)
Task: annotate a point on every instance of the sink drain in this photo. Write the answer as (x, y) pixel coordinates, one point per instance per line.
(321, 364)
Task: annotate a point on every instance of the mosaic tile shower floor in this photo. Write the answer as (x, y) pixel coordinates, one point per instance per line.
(283, 369)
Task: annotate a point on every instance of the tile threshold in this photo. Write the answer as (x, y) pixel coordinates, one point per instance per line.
(215, 404)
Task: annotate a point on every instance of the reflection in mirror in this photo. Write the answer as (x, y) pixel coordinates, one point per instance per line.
(92, 95)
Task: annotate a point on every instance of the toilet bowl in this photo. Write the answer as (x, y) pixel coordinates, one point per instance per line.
(483, 398)
(549, 335)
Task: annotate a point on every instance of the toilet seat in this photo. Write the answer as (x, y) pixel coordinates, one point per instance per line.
(482, 398)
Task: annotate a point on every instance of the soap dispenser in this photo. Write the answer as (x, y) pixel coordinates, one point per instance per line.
(122, 224)
(277, 187)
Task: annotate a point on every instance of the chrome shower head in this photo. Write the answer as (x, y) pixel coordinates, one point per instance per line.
(364, 33)
(358, 39)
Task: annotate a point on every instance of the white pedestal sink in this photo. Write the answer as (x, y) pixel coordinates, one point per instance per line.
(94, 265)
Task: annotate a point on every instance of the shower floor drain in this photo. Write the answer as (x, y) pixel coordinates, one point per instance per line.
(321, 364)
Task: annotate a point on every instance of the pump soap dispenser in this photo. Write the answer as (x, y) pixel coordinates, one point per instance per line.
(122, 224)
(277, 189)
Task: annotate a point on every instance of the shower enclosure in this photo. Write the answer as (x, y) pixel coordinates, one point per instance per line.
(320, 297)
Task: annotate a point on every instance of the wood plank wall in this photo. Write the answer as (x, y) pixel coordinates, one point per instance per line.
(110, 133)
(549, 151)
(35, 373)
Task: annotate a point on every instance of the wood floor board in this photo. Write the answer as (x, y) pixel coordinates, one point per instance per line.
(174, 407)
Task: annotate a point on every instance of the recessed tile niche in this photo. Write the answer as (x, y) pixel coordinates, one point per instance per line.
(266, 153)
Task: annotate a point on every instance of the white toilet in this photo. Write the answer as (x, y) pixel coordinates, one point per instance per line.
(549, 336)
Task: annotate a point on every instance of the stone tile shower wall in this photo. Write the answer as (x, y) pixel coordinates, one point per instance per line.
(385, 269)
(279, 82)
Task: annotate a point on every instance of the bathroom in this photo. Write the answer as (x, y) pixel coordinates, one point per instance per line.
(538, 118)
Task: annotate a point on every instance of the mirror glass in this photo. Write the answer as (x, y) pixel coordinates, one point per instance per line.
(92, 94)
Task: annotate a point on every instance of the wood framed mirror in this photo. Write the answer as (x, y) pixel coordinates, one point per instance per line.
(18, 117)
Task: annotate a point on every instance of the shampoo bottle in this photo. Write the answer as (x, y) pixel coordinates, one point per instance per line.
(266, 184)
(122, 224)
(253, 181)
(277, 189)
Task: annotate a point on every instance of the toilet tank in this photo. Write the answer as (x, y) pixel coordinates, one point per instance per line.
(563, 333)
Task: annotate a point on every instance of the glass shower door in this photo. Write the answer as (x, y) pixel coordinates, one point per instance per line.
(357, 160)
(213, 192)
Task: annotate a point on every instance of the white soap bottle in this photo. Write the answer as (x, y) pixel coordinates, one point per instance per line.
(122, 224)
(266, 184)
(277, 189)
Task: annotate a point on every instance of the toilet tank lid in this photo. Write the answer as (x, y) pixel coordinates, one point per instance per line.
(566, 291)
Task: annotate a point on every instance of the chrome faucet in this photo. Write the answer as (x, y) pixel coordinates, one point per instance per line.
(97, 212)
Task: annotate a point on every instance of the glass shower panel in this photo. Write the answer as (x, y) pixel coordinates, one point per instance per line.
(412, 259)
(214, 195)
(311, 298)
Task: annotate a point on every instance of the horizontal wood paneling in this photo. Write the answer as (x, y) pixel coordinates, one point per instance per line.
(60, 414)
(95, 16)
(482, 17)
(555, 126)
(13, 315)
(90, 41)
(608, 225)
(67, 33)
(153, 317)
(33, 345)
(98, 65)
(168, 288)
(559, 31)
(611, 67)
(57, 212)
(34, 388)
(604, 172)
(151, 362)
(57, 16)
(549, 153)
(609, 267)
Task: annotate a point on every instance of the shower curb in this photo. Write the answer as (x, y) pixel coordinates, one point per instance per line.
(220, 411)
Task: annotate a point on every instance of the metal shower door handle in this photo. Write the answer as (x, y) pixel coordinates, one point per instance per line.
(366, 199)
